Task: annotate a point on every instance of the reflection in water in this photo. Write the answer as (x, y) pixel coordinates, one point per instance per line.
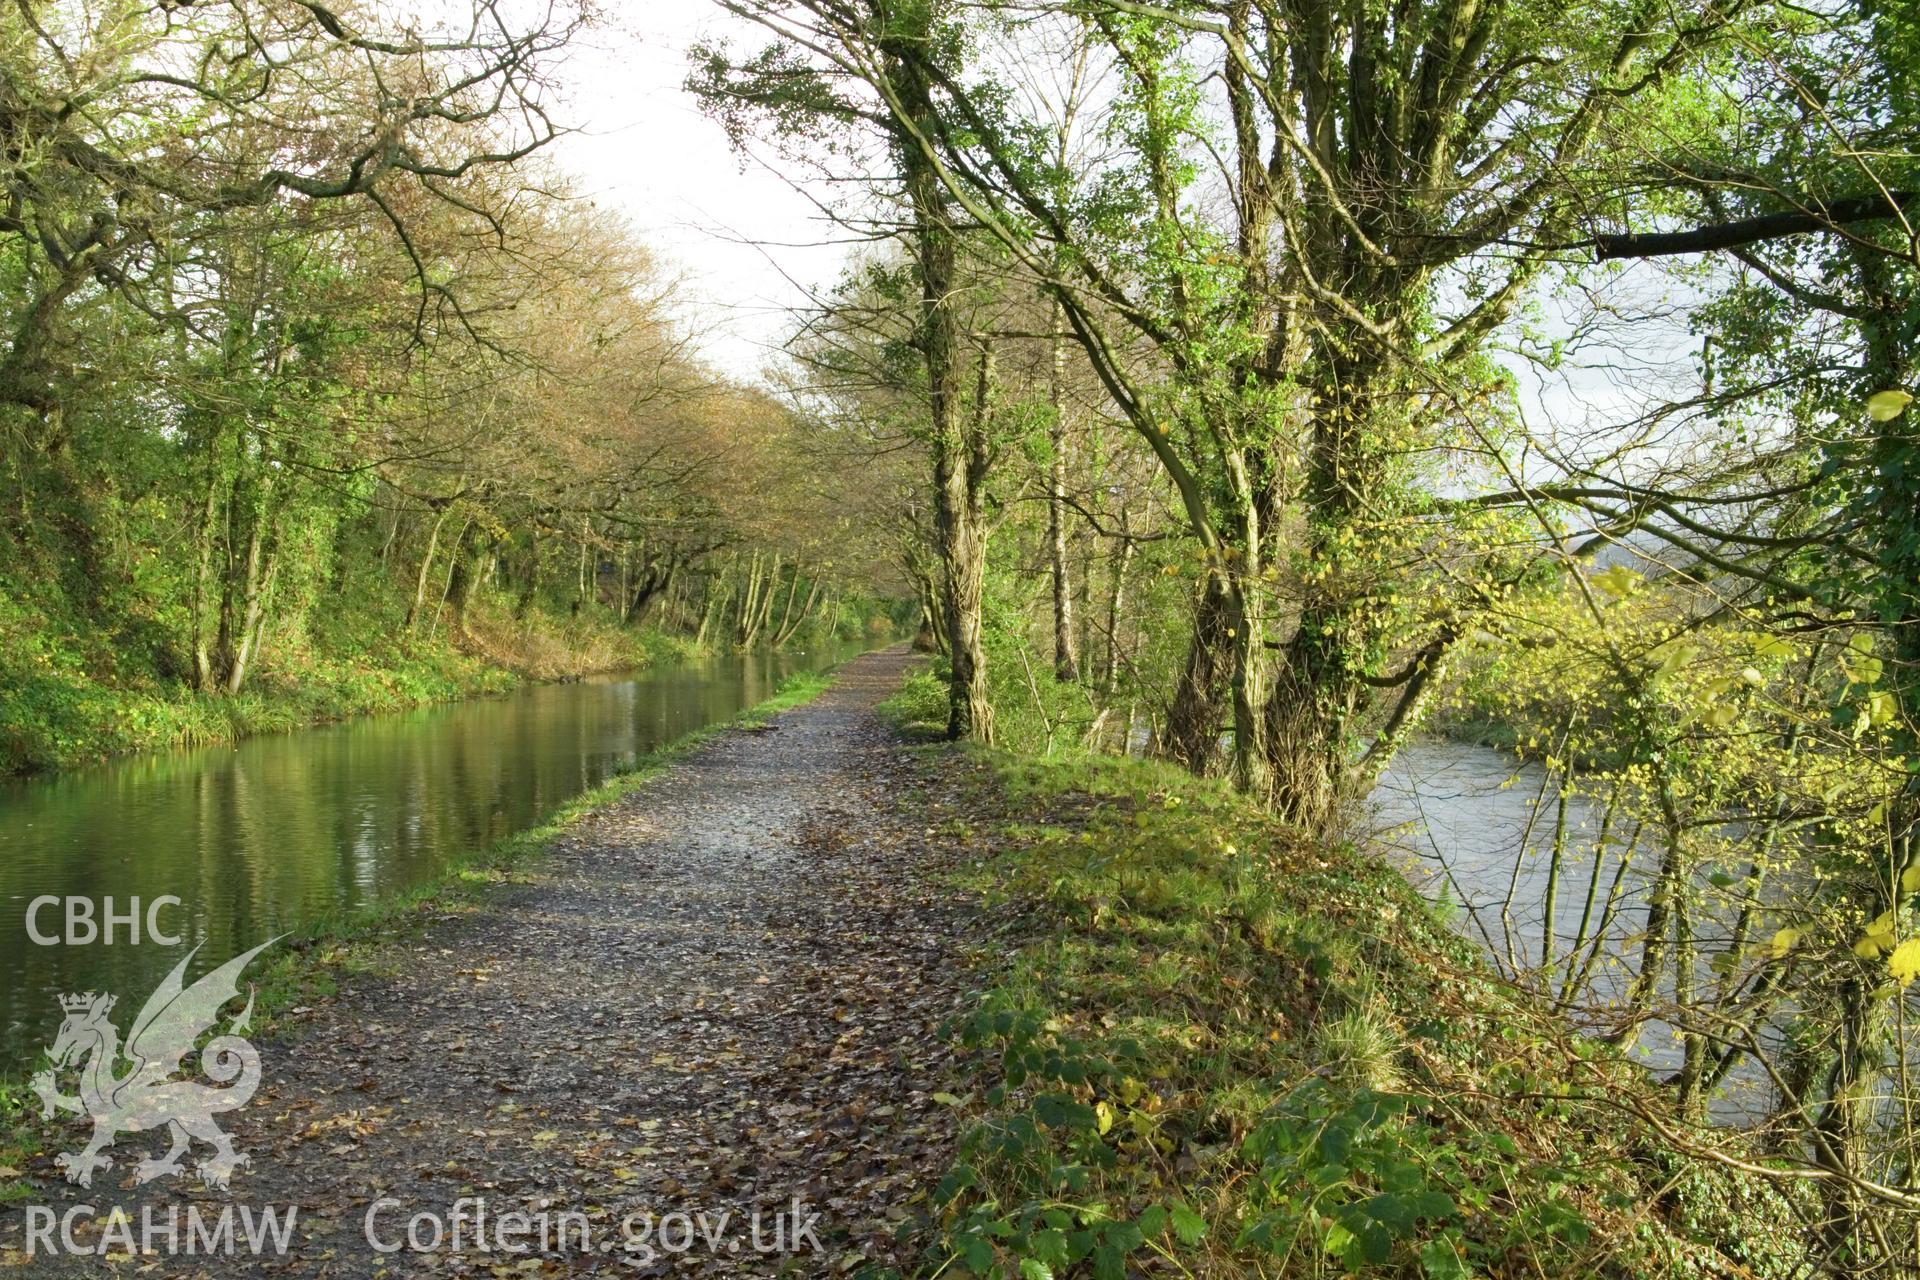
(266, 836)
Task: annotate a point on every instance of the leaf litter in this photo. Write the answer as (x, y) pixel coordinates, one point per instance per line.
(721, 994)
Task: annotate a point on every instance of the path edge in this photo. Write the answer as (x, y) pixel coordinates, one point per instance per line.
(298, 971)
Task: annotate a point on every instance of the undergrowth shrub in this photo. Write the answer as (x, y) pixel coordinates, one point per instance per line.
(1220, 1050)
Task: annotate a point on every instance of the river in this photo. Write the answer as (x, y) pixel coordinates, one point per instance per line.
(275, 832)
(1474, 829)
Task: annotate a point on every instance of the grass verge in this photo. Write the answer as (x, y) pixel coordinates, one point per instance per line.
(917, 710)
(307, 968)
(1209, 1047)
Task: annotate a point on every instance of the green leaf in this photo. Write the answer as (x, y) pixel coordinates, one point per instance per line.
(1441, 1260)
(1335, 1143)
(1885, 406)
(1376, 1243)
(1050, 1246)
(978, 1254)
(1187, 1224)
(1391, 1211)
(1034, 1269)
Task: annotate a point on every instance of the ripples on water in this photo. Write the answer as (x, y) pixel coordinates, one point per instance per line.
(1472, 827)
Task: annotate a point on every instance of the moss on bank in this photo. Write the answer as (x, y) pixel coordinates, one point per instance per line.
(1208, 1047)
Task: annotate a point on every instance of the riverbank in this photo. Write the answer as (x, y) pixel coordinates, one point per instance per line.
(1215, 1049)
(1181, 1041)
(74, 697)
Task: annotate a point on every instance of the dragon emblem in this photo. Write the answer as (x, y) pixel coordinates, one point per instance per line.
(147, 1096)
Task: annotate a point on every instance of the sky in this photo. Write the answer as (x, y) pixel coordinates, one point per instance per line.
(748, 245)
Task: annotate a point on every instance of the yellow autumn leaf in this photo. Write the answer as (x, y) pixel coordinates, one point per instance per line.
(1885, 406)
(1910, 879)
(1877, 938)
(1784, 941)
(1618, 581)
(1904, 963)
(1674, 655)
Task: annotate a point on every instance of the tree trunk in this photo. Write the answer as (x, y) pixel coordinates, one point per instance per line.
(655, 581)
(468, 570)
(426, 566)
(932, 636)
(453, 572)
(1856, 1082)
(1199, 699)
(1116, 596)
(963, 545)
(766, 600)
(756, 603)
(960, 457)
(252, 584)
(1320, 695)
(257, 638)
(531, 583)
(786, 609)
(709, 607)
(1252, 764)
(586, 540)
(785, 631)
(1313, 702)
(392, 522)
(203, 572)
(1066, 664)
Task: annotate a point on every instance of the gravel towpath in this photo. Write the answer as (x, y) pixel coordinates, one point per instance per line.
(697, 1038)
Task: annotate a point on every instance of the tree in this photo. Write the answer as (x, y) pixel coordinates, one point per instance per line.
(1316, 344)
(1796, 195)
(777, 86)
(129, 124)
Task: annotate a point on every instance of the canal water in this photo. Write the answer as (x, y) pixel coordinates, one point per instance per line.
(266, 836)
